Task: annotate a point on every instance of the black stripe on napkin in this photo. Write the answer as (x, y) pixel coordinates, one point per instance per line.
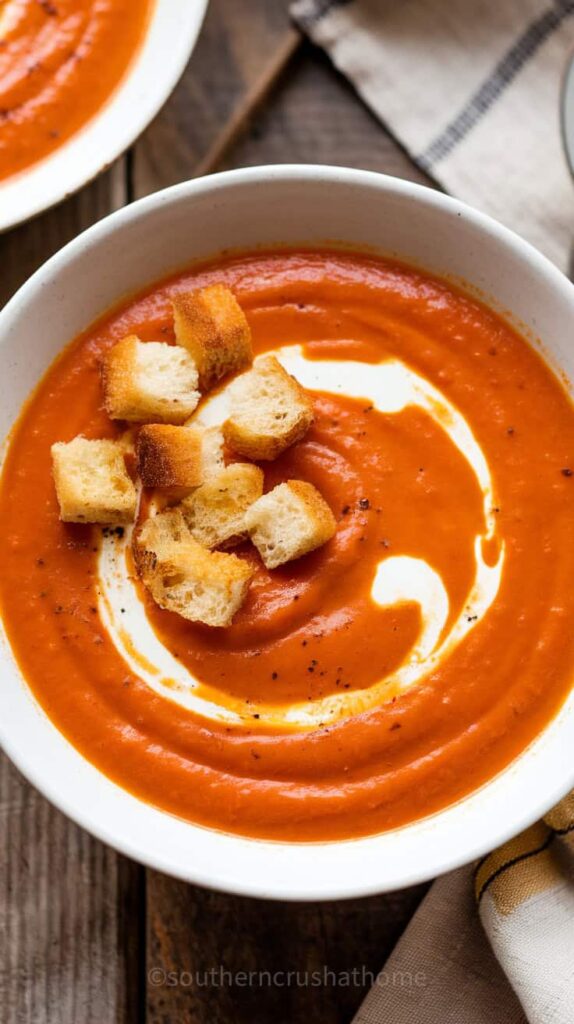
(505, 72)
(564, 831)
(309, 13)
(510, 864)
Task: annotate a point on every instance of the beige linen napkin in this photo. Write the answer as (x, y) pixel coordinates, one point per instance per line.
(471, 88)
(443, 970)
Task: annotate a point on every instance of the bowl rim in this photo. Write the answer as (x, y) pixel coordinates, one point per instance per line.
(503, 795)
(124, 115)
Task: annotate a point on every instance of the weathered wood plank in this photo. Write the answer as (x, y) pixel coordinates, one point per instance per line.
(25, 248)
(215, 958)
(68, 917)
(69, 927)
(314, 116)
(236, 43)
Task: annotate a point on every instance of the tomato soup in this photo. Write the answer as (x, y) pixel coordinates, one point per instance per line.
(60, 61)
(376, 680)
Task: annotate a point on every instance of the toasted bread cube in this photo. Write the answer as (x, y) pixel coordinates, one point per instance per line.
(211, 325)
(269, 411)
(183, 577)
(288, 522)
(178, 458)
(215, 512)
(169, 456)
(211, 442)
(155, 538)
(149, 381)
(92, 483)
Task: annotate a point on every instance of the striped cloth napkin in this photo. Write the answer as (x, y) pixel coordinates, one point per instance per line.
(471, 88)
(447, 969)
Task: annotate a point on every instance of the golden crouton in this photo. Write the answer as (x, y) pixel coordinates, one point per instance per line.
(149, 381)
(269, 411)
(183, 577)
(288, 522)
(92, 483)
(211, 325)
(169, 456)
(215, 512)
(155, 538)
(210, 440)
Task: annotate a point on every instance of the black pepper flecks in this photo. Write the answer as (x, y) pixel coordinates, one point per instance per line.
(113, 531)
(49, 8)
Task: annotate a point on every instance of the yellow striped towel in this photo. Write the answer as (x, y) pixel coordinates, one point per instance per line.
(518, 968)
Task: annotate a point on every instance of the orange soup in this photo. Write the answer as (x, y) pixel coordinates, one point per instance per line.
(377, 679)
(60, 61)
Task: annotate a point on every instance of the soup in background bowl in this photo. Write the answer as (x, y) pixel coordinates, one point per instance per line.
(390, 705)
(79, 81)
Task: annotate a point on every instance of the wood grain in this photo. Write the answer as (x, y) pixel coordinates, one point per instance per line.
(25, 248)
(222, 959)
(311, 114)
(257, 93)
(236, 44)
(316, 117)
(68, 917)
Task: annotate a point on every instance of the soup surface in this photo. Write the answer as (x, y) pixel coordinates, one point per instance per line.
(377, 679)
(60, 60)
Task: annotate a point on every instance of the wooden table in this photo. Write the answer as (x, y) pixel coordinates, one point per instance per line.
(81, 928)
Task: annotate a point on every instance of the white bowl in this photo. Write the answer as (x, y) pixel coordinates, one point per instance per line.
(170, 38)
(143, 242)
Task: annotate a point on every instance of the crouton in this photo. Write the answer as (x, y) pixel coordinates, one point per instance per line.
(183, 577)
(288, 522)
(149, 381)
(211, 443)
(92, 483)
(155, 538)
(211, 325)
(269, 411)
(169, 456)
(215, 512)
